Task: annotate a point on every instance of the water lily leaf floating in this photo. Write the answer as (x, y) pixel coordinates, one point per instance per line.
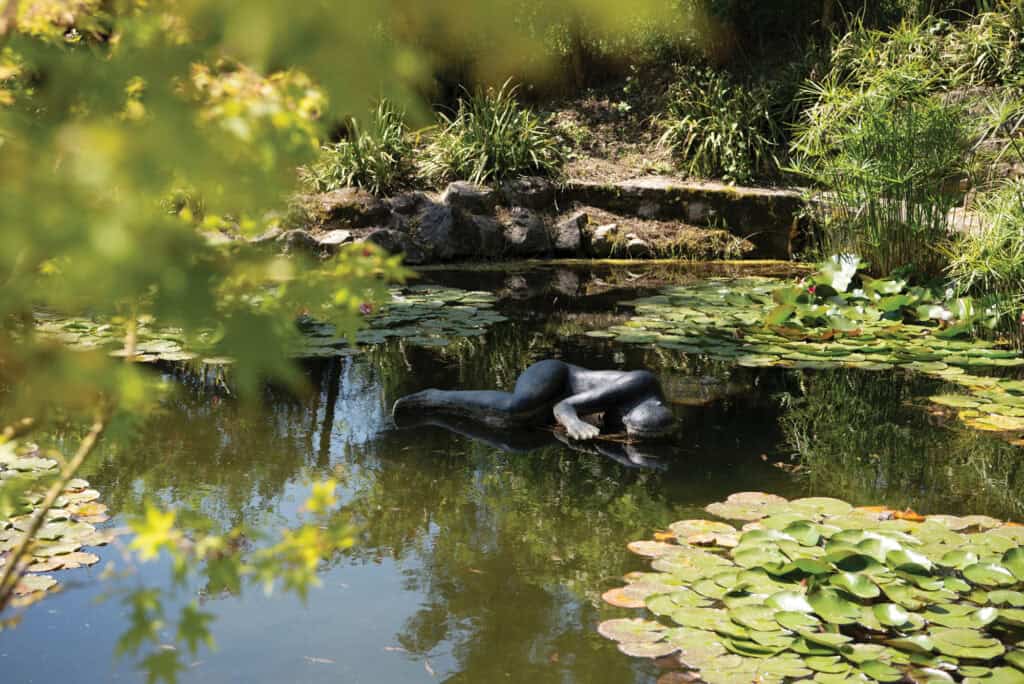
(817, 589)
(826, 322)
(67, 528)
(423, 315)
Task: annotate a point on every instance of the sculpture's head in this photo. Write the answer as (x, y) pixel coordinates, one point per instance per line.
(650, 418)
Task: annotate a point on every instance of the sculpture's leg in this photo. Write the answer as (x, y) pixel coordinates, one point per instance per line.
(536, 391)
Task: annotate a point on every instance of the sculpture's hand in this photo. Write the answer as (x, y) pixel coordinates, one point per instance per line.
(580, 430)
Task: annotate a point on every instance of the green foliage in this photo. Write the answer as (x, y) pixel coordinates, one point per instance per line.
(988, 261)
(288, 561)
(107, 110)
(835, 318)
(890, 178)
(378, 160)
(491, 137)
(718, 127)
(815, 586)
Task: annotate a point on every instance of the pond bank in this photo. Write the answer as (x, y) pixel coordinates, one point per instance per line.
(531, 217)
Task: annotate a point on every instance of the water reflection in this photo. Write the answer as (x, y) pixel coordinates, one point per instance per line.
(482, 556)
(872, 436)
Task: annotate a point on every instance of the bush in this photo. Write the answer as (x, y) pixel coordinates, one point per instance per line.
(378, 160)
(988, 262)
(491, 137)
(719, 128)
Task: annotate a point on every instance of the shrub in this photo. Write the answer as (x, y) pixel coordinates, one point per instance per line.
(378, 160)
(988, 262)
(719, 128)
(491, 137)
(889, 182)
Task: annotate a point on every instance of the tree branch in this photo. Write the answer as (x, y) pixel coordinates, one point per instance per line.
(13, 571)
(9, 19)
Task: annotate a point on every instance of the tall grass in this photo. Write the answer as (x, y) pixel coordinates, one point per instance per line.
(489, 138)
(719, 128)
(988, 262)
(890, 182)
(377, 159)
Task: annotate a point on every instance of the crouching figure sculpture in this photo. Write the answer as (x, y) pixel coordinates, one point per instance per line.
(552, 389)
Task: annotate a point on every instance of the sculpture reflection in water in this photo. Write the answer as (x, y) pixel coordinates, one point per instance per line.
(553, 391)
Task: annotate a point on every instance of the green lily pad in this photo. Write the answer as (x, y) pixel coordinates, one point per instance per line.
(1013, 560)
(955, 401)
(833, 608)
(890, 614)
(966, 643)
(832, 640)
(790, 602)
(915, 644)
(632, 630)
(858, 585)
(1005, 597)
(877, 670)
(989, 575)
(796, 620)
(761, 618)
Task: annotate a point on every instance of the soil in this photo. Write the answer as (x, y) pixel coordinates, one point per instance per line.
(612, 131)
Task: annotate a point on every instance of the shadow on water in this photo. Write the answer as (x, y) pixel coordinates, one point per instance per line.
(482, 556)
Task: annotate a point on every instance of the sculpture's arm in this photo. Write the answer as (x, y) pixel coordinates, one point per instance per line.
(628, 387)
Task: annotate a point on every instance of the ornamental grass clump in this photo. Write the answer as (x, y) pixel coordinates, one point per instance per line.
(491, 137)
(889, 182)
(378, 159)
(988, 261)
(815, 588)
(718, 128)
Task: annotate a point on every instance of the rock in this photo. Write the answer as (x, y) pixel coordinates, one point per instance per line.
(215, 238)
(266, 237)
(568, 234)
(525, 233)
(407, 203)
(443, 233)
(531, 192)
(295, 240)
(470, 197)
(566, 282)
(770, 218)
(638, 249)
(516, 287)
(348, 206)
(604, 239)
(395, 242)
(335, 238)
(490, 234)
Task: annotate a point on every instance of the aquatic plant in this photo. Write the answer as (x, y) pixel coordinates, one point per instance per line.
(889, 178)
(814, 588)
(421, 315)
(988, 261)
(833, 318)
(67, 526)
(378, 159)
(491, 137)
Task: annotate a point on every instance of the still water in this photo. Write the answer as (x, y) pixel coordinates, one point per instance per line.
(482, 558)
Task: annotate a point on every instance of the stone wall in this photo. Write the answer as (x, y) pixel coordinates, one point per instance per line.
(532, 217)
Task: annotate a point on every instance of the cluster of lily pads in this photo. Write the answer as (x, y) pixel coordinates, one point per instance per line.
(424, 315)
(70, 525)
(822, 323)
(419, 315)
(817, 589)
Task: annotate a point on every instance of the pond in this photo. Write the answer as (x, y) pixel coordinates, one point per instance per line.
(483, 558)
